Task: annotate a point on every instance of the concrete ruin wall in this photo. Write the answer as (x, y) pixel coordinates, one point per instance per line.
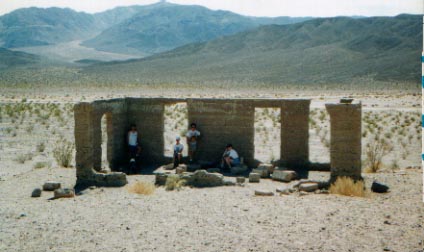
(88, 138)
(220, 121)
(295, 132)
(345, 143)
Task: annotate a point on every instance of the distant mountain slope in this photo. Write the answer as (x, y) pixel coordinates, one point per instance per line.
(326, 50)
(138, 30)
(10, 58)
(35, 26)
(164, 26)
(116, 15)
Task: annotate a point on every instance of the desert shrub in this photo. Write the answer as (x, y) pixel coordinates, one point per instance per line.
(348, 187)
(376, 149)
(22, 158)
(140, 187)
(41, 147)
(63, 152)
(40, 165)
(174, 182)
(8, 130)
(30, 128)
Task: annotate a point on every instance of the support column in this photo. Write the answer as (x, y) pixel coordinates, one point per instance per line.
(295, 132)
(83, 139)
(345, 144)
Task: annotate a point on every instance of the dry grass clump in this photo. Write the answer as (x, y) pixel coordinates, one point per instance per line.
(346, 186)
(174, 182)
(141, 187)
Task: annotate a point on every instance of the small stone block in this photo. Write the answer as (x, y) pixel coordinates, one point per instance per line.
(240, 180)
(308, 187)
(284, 175)
(254, 177)
(64, 193)
(263, 193)
(263, 171)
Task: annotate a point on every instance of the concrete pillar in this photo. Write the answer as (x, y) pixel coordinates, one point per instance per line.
(295, 132)
(345, 144)
(83, 139)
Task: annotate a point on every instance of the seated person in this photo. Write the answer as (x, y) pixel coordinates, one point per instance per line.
(192, 135)
(178, 151)
(230, 157)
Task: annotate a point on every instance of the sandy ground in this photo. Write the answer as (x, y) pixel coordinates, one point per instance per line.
(215, 219)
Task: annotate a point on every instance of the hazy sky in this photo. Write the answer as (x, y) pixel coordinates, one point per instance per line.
(321, 8)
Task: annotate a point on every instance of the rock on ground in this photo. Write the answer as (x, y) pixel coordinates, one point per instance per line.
(269, 167)
(284, 175)
(263, 193)
(240, 180)
(64, 193)
(284, 190)
(36, 193)
(308, 187)
(262, 171)
(254, 177)
(180, 169)
(379, 187)
(202, 178)
(51, 186)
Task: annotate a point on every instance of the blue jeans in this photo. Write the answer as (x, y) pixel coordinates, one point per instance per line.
(235, 161)
(133, 150)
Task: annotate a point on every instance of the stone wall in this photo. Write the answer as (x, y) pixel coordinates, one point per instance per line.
(220, 121)
(88, 139)
(295, 132)
(345, 143)
(148, 115)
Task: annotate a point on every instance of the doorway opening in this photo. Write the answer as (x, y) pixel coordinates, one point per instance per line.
(176, 124)
(267, 134)
(106, 143)
(319, 136)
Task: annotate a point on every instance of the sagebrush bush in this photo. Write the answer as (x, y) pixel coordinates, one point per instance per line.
(140, 187)
(376, 149)
(22, 158)
(346, 186)
(41, 147)
(40, 165)
(63, 152)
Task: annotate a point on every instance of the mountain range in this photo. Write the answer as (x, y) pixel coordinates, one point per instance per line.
(192, 44)
(138, 30)
(324, 50)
